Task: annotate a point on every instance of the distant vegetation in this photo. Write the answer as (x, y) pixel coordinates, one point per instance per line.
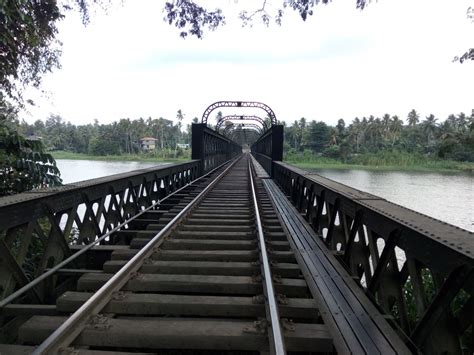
(166, 155)
(120, 138)
(384, 142)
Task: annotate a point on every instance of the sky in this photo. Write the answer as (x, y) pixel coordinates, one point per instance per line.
(393, 56)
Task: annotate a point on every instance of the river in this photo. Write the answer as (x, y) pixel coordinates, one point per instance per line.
(80, 170)
(445, 196)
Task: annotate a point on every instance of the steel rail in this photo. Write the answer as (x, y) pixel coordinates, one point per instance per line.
(277, 334)
(21, 291)
(63, 336)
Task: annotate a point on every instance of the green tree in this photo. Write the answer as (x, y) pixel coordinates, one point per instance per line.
(396, 128)
(341, 127)
(413, 118)
(24, 164)
(318, 136)
(429, 127)
(180, 118)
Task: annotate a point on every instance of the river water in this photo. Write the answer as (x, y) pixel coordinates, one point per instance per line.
(80, 170)
(445, 196)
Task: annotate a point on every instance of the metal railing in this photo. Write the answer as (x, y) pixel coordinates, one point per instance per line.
(418, 270)
(211, 148)
(269, 148)
(37, 228)
(63, 336)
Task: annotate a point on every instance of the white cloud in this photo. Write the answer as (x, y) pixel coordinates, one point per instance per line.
(392, 57)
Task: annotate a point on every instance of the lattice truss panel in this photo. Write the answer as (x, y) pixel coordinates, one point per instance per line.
(38, 228)
(419, 270)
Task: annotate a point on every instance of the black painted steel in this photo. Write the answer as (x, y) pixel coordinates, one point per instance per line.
(269, 148)
(193, 286)
(211, 148)
(356, 324)
(45, 222)
(242, 126)
(232, 118)
(240, 104)
(38, 226)
(244, 136)
(419, 270)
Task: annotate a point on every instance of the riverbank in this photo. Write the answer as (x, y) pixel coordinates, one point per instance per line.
(123, 157)
(310, 163)
(427, 165)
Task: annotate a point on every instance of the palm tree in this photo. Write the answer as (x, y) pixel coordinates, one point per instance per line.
(462, 121)
(180, 117)
(386, 122)
(302, 129)
(429, 128)
(396, 128)
(413, 118)
(356, 133)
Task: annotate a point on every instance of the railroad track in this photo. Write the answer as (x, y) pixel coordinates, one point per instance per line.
(208, 271)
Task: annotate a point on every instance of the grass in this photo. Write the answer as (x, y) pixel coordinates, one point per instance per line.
(381, 162)
(454, 167)
(124, 157)
(378, 162)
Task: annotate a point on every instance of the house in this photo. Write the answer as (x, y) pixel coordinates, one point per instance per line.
(32, 137)
(148, 143)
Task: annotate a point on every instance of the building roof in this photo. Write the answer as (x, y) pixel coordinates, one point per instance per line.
(148, 139)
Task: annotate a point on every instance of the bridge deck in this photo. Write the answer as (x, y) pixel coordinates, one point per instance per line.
(226, 264)
(199, 287)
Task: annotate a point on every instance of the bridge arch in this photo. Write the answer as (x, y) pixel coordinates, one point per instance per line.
(256, 104)
(243, 126)
(243, 118)
(244, 134)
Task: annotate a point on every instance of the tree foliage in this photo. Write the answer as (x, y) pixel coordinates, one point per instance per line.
(29, 47)
(119, 137)
(24, 164)
(469, 54)
(191, 19)
(452, 139)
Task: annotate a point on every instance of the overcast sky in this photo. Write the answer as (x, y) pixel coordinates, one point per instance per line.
(341, 63)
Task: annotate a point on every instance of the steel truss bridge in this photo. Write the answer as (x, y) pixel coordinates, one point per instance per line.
(229, 253)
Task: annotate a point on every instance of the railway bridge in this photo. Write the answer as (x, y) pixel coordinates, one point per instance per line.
(232, 252)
